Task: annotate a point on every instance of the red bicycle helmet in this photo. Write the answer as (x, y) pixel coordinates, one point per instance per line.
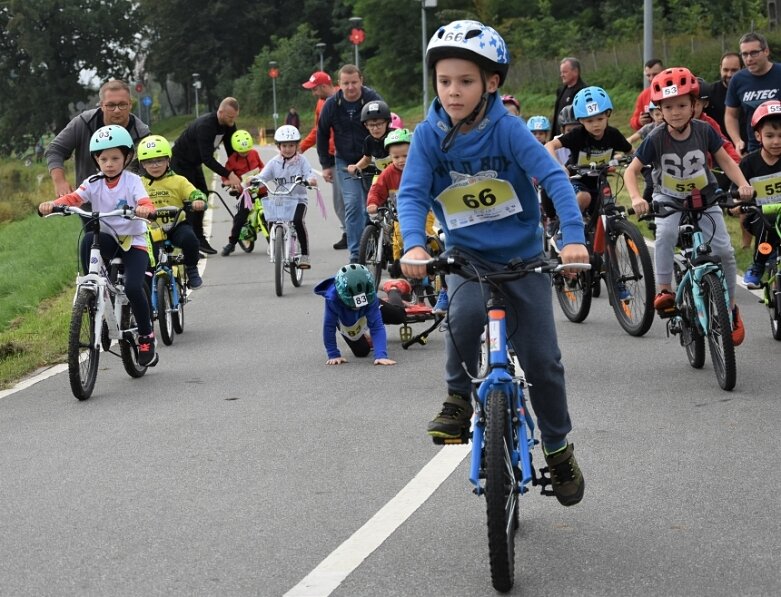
(769, 108)
(674, 82)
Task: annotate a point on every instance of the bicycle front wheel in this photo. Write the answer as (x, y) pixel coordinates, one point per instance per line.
(574, 295)
(83, 354)
(177, 317)
(773, 301)
(722, 350)
(501, 491)
(630, 278)
(296, 273)
(279, 259)
(164, 306)
(369, 252)
(247, 245)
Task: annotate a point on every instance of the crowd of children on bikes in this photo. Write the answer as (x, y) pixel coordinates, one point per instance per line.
(481, 171)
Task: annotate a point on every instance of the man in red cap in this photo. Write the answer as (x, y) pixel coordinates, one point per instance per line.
(322, 88)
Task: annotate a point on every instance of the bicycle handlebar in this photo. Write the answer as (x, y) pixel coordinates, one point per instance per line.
(257, 182)
(513, 270)
(126, 212)
(658, 209)
(594, 170)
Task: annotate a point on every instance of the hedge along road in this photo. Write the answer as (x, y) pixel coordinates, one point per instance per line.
(243, 465)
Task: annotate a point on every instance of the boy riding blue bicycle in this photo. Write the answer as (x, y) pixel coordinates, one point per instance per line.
(471, 161)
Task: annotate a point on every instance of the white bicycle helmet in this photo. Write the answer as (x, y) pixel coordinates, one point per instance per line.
(470, 40)
(287, 133)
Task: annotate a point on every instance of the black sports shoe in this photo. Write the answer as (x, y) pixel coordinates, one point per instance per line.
(206, 247)
(566, 479)
(342, 243)
(454, 418)
(147, 355)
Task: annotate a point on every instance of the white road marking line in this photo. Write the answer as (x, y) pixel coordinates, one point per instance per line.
(330, 573)
(31, 381)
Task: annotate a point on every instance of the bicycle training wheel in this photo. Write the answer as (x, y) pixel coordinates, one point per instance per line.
(128, 345)
(722, 350)
(83, 355)
(630, 278)
(177, 316)
(773, 301)
(279, 259)
(296, 273)
(164, 309)
(369, 252)
(574, 295)
(501, 491)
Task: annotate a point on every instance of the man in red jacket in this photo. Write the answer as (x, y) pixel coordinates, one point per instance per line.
(322, 88)
(641, 117)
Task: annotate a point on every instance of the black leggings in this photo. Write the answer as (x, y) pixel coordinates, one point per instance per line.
(136, 262)
(298, 222)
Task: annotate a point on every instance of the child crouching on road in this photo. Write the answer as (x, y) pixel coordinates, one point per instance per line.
(353, 309)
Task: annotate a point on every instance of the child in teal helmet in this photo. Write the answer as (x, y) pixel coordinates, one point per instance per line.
(540, 128)
(112, 150)
(594, 143)
(352, 308)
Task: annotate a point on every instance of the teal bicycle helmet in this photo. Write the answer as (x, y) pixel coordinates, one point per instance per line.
(591, 101)
(355, 286)
(538, 123)
(108, 137)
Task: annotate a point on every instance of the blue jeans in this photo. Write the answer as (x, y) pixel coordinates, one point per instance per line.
(355, 218)
(532, 333)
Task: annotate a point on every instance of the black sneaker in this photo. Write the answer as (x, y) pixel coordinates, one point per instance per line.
(206, 247)
(194, 279)
(228, 249)
(342, 243)
(454, 418)
(147, 356)
(566, 479)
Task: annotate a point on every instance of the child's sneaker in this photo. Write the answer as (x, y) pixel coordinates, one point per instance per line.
(194, 279)
(753, 276)
(738, 331)
(566, 479)
(442, 303)
(664, 301)
(147, 355)
(228, 249)
(453, 419)
(303, 262)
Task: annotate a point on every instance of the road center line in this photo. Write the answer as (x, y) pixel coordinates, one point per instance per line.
(330, 573)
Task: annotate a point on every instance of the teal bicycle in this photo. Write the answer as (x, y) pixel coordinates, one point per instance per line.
(502, 433)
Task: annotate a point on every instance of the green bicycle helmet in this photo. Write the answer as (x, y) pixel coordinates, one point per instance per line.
(153, 146)
(108, 137)
(398, 136)
(241, 141)
(355, 286)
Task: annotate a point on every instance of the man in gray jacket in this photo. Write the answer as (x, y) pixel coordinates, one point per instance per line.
(114, 108)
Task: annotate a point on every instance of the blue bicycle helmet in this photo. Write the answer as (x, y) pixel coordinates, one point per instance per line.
(355, 286)
(538, 123)
(107, 137)
(591, 101)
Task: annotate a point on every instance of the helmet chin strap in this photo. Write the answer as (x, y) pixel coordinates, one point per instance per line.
(450, 138)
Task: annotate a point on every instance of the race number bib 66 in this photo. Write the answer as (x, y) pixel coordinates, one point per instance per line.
(477, 199)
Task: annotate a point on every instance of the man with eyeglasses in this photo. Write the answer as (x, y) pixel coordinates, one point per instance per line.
(758, 82)
(114, 108)
(641, 115)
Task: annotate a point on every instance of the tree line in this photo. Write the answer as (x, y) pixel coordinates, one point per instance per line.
(51, 50)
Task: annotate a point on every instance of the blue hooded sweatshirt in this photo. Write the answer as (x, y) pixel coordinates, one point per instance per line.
(351, 323)
(472, 187)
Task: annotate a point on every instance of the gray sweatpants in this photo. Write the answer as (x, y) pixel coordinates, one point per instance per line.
(713, 226)
(530, 321)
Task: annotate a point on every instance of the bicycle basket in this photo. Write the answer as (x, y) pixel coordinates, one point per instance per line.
(279, 209)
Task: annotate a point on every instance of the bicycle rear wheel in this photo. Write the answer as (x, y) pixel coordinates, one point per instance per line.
(164, 306)
(722, 350)
(279, 259)
(369, 252)
(128, 345)
(574, 295)
(631, 273)
(501, 491)
(83, 355)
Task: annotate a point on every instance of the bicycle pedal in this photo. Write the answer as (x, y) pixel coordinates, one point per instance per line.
(666, 313)
(543, 481)
(453, 441)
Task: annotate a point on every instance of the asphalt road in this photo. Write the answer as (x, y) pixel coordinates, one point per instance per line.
(242, 462)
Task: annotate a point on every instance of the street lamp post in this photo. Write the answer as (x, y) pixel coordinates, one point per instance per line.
(273, 72)
(196, 86)
(320, 48)
(356, 35)
(424, 4)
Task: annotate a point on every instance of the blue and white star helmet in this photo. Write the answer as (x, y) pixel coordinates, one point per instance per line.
(470, 40)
